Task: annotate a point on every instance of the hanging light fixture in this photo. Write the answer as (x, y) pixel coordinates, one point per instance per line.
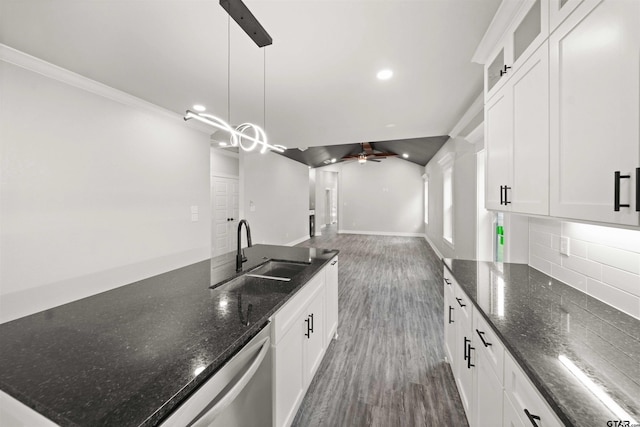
(362, 158)
(247, 136)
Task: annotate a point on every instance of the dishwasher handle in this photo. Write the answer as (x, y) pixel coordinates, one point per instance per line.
(207, 418)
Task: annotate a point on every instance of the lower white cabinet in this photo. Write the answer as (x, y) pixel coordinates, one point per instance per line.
(494, 390)
(300, 338)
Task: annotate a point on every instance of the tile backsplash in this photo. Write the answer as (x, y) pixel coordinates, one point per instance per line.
(603, 262)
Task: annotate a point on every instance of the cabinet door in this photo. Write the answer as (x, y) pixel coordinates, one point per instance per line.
(510, 417)
(498, 140)
(331, 283)
(464, 372)
(289, 382)
(450, 314)
(488, 395)
(314, 335)
(530, 91)
(594, 111)
(559, 10)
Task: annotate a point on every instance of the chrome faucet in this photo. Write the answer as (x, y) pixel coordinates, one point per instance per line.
(240, 258)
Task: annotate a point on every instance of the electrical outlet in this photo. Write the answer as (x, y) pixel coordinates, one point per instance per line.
(564, 245)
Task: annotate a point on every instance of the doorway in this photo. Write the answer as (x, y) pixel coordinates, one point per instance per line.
(225, 201)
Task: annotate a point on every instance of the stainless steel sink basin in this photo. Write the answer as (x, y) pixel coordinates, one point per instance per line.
(277, 270)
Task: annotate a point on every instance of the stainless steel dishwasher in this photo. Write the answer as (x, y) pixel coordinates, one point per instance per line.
(239, 394)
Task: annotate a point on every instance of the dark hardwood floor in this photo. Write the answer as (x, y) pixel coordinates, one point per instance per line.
(387, 367)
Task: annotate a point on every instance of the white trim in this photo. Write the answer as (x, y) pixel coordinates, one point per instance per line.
(476, 135)
(499, 26)
(224, 175)
(434, 247)
(381, 233)
(473, 110)
(37, 65)
(295, 242)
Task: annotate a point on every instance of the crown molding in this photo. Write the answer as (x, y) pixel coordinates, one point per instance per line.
(47, 69)
(502, 20)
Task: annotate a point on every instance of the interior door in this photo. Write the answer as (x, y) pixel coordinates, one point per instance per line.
(226, 206)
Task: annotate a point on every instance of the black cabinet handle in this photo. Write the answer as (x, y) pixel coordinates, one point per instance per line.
(481, 335)
(637, 189)
(504, 71)
(616, 190)
(311, 317)
(467, 344)
(450, 319)
(308, 333)
(501, 197)
(334, 262)
(469, 364)
(460, 302)
(532, 417)
(447, 281)
(506, 196)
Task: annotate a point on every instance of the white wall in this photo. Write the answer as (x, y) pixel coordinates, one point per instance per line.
(224, 163)
(464, 200)
(278, 189)
(381, 198)
(94, 193)
(603, 262)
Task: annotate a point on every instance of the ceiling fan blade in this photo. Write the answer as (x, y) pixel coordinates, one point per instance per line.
(373, 160)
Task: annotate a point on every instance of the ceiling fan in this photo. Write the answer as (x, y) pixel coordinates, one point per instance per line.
(368, 154)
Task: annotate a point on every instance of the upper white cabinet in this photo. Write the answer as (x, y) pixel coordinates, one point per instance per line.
(559, 10)
(517, 140)
(527, 30)
(595, 113)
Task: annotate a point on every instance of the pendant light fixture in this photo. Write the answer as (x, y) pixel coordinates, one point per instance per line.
(247, 136)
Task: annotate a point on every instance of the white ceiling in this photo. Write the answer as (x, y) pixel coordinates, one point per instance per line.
(320, 79)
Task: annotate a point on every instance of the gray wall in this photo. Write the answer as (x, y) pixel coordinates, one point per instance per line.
(381, 198)
(278, 189)
(96, 193)
(464, 200)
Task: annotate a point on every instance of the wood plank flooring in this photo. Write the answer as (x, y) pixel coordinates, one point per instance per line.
(387, 367)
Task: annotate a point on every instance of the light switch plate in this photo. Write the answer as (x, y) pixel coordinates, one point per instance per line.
(564, 245)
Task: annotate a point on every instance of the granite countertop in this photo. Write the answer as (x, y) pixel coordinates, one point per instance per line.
(539, 318)
(128, 356)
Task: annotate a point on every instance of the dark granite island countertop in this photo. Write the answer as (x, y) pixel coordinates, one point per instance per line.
(539, 319)
(129, 356)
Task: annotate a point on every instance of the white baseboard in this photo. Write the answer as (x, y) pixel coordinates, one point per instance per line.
(434, 247)
(381, 233)
(295, 242)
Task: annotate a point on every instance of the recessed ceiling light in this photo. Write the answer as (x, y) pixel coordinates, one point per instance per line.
(384, 74)
(405, 155)
(199, 108)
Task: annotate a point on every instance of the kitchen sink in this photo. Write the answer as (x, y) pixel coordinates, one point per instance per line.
(278, 270)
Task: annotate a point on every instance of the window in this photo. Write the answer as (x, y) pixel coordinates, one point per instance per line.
(426, 199)
(446, 163)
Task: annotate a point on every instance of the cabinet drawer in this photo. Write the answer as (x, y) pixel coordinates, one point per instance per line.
(488, 344)
(287, 315)
(527, 402)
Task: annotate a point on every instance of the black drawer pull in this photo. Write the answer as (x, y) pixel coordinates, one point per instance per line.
(308, 333)
(467, 344)
(460, 302)
(450, 310)
(637, 189)
(334, 262)
(616, 190)
(447, 281)
(532, 417)
(469, 364)
(481, 335)
(311, 317)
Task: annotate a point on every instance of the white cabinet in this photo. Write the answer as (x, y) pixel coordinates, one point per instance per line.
(300, 337)
(331, 279)
(525, 33)
(526, 400)
(559, 10)
(494, 390)
(450, 315)
(517, 140)
(595, 113)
